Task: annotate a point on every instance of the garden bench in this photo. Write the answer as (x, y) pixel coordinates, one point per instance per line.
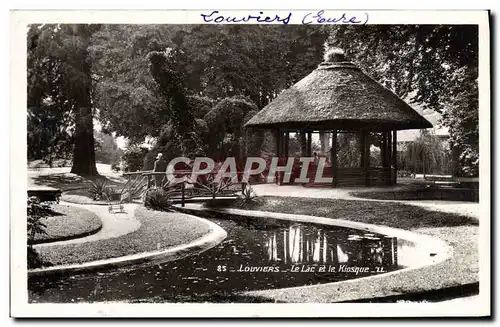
(441, 180)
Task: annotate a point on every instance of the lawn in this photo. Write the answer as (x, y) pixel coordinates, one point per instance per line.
(159, 230)
(61, 178)
(380, 213)
(424, 193)
(80, 196)
(68, 222)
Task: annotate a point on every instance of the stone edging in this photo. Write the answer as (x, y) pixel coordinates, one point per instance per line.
(68, 238)
(207, 241)
(432, 249)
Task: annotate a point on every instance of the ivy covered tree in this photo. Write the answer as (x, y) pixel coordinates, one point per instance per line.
(182, 127)
(225, 121)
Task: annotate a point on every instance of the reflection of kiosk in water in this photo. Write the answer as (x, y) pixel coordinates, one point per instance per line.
(301, 244)
(372, 250)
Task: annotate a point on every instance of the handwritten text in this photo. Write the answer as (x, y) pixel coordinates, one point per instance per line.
(320, 17)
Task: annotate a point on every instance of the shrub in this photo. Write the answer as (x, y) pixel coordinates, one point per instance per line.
(112, 194)
(248, 195)
(98, 190)
(404, 173)
(133, 158)
(213, 185)
(158, 198)
(36, 212)
(133, 189)
(115, 166)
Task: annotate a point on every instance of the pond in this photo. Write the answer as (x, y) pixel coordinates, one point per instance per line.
(257, 254)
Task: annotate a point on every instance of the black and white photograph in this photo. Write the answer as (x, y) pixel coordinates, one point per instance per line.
(252, 157)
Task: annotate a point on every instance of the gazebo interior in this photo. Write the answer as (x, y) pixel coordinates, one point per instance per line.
(364, 174)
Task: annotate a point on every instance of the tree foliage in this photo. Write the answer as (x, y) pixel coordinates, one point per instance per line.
(179, 83)
(435, 66)
(59, 92)
(426, 155)
(215, 62)
(106, 148)
(225, 121)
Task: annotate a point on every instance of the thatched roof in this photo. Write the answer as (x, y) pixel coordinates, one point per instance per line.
(338, 95)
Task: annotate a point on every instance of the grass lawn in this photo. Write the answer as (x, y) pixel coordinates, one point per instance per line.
(389, 214)
(80, 196)
(424, 193)
(159, 230)
(68, 222)
(61, 178)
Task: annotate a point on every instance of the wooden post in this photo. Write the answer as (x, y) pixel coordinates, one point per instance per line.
(183, 194)
(309, 144)
(366, 163)
(334, 158)
(383, 149)
(279, 142)
(322, 142)
(361, 144)
(389, 148)
(303, 143)
(287, 141)
(395, 155)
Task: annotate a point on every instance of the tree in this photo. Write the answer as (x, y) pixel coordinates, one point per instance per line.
(106, 148)
(172, 91)
(59, 79)
(433, 65)
(426, 155)
(348, 152)
(225, 121)
(215, 61)
(124, 88)
(48, 136)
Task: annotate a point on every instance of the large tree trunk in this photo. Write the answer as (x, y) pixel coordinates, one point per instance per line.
(83, 152)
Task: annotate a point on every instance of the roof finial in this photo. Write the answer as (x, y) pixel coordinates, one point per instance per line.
(333, 53)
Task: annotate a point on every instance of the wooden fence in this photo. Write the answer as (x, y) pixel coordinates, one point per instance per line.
(205, 186)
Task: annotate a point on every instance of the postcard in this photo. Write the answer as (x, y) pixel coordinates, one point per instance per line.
(256, 163)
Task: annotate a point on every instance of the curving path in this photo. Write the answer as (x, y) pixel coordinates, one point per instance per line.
(113, 224)
(465, 208)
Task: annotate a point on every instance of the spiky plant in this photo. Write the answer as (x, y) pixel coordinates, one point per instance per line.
(97, 189)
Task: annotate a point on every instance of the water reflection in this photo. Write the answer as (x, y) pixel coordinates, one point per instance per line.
(257, 254)
(301, 244)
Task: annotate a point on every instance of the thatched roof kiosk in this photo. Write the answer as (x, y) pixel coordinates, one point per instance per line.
(339, 97)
